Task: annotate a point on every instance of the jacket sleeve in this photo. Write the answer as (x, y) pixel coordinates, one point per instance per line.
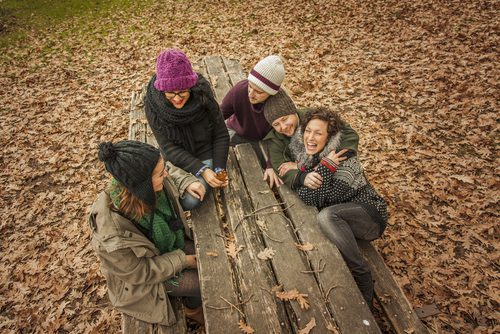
(349, 139)
(181, 178)
(332, 190)
(278, 156)
(227, 105)
(129, 267)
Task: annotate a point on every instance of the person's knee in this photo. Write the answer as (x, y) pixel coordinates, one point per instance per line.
(326, 217)
(327, 223)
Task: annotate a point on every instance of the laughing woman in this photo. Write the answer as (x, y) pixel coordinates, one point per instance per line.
(186, 121)
(350, 208)
(285, 119)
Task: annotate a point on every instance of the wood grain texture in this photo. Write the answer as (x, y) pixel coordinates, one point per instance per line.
(215, 272)
(264, 312)
(288, 261)
(131, 325)
(389, 295)
(345, 300)
(217, 76)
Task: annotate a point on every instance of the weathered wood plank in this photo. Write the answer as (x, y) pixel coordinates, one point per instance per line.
(287, 262)
(389, 295)
(215, 273)
(217, 76)
(137, 118)
(180, 326)
(264, 313)
(131, 325)
(345, 300)
(234, 70)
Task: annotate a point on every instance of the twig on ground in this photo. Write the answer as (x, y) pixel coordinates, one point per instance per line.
(256, 211)
(267, 235)
(319, 270)
(330, 290)
(231, 305)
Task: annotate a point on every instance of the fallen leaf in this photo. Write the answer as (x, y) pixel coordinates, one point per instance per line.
(262, 224)
(266, 254)
(294, 295)
(463, 178)
(232, 250)
(305, 247)
(310, 325)
(246, 328)
(214, 254)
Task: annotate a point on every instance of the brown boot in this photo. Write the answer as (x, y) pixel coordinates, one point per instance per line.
(195, 314)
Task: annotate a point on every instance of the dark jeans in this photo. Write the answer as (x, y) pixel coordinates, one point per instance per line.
(236, 139)
(188, 283)
(343, 224)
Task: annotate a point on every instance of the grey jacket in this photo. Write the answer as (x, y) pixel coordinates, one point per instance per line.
(132, 265)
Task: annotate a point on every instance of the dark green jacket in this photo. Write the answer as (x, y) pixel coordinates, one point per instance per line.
(279, 152)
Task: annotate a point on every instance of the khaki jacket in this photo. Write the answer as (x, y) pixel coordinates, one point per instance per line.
(132, 265)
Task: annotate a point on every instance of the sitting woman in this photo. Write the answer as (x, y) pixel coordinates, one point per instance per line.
(186, 121)
(350, 208)
(139, 233)
(284, 117)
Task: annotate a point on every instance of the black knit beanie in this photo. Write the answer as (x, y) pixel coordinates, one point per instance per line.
(132, 163)
(278, 105)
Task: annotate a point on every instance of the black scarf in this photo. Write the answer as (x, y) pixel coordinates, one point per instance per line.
(175, 123)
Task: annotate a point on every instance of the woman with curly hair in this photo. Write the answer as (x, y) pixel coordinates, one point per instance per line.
(350, 208)
(285, 119)
(141, 236)
(186, 121)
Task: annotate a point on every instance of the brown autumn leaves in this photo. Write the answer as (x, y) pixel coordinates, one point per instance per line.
(418, 80)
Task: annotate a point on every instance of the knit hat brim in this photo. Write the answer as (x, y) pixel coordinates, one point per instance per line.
(176, 83)
(144, 191)
(262, 83)
(278, 106)
(132, 163)
(268, 74)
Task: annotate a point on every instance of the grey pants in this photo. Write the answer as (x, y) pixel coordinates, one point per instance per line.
(235, 139)
(343, 224)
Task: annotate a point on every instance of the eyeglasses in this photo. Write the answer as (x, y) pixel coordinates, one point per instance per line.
(182, 94)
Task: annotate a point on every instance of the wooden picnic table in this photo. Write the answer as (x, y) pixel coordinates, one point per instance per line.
(262, 259)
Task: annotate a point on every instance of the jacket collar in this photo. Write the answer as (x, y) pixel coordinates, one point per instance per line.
(299, 151)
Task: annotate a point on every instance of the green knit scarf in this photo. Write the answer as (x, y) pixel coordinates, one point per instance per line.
(158, 230)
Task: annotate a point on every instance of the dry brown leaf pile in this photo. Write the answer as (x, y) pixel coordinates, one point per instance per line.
(417, 79)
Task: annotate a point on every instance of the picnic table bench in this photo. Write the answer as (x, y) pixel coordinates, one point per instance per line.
(262, 259)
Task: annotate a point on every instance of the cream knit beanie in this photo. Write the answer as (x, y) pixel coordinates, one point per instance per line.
(268, 74)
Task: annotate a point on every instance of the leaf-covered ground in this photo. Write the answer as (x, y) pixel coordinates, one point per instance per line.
(417, 79)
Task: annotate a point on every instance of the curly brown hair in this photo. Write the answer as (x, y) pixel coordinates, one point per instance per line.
(332, 118)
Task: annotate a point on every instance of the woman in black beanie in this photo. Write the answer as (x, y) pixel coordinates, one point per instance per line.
(141, 236)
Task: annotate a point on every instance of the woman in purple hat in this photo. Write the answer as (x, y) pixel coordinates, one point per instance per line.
(186, 121)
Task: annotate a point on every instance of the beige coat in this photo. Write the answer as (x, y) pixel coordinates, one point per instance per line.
(132, 265)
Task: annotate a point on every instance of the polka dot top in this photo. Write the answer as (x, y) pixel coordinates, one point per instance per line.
(342, 184)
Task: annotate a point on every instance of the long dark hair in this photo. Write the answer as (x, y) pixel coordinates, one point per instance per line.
(130, 205)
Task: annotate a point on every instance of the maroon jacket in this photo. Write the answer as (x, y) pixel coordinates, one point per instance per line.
(246, 119)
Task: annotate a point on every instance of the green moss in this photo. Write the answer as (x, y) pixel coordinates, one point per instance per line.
(20, 17)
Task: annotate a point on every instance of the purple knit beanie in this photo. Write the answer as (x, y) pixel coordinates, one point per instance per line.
(174, 71)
